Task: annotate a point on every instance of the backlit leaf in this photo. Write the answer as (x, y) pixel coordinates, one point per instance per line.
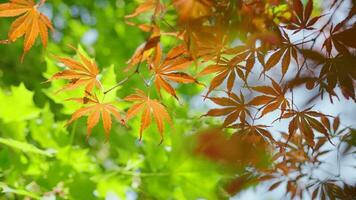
(148, 107)
(30, 24)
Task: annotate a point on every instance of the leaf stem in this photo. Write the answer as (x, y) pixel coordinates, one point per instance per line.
(72, 132)
(169, 25)
(4, 41)
(74, 127)
(118, 84)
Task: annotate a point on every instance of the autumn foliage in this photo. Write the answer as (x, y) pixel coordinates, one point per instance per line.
(30, 22)
(249, 58)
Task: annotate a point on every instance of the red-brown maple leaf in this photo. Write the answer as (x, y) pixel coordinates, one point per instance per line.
(272, 100)
(284, 53)
(305, 121)
(256, 130)
(301, 19)
(225, 70)
(239, 149)
(30, 24)
(249, 53)
(235, 108)
(335, 71)
(341, 39)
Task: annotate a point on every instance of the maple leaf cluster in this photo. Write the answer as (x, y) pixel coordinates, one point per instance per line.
(206, 32)
(83, 74)
(254, 54)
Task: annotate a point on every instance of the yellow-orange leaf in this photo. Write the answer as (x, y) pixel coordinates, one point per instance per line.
(93, 111)
(145, 50)
(192, 9)
(167, 70)
(148, 106)
(148, 5)
(30, 24)
(80, 72)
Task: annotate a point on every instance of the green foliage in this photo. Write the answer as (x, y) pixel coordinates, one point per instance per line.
(18, 98)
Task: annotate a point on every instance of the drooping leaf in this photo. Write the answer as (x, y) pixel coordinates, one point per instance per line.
(235, 108)
(146, 49)
(305, 122)
(273, 99)
(225, 70)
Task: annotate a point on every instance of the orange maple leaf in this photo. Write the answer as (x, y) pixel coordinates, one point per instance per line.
(82, 72)
(146, 49)
(94, 111)
(30, 24)
(147, 6)
(148, 107)
(168, 70)
(193, 9)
